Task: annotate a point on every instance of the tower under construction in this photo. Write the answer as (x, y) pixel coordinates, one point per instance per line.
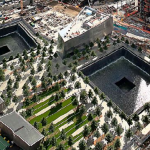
(144, 9)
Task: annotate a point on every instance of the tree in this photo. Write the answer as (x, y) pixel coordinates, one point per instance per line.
(47, 143)
(83, 97)
(93, 54)
(73, 77)
(10, 82)
(44, 132)
(60, 76)
(90, 117)
(18, 78)
(105, 47)
(97, 134)
(15, 99)
(114, 122)
(82, 110)
(91, 44)
(145, 119)
(96, 90)
(15, 72)
(80, 74)
(4, 65)
(57, 66)
(36, 125)
(62, 94)
(140, 49)
(118, 40)
(39, 46)
(105, 128)
(122, 115)
(60, 147)
(127, 42)
(102, 96)
(42, 60)
(66, 74)
(94, 125)
(70, 141)
(86, 131)
(44, 84)
(133, 45)
(86, 80)
(109, 104)
(116, 110)
(117, 144)
(9, 87)
(129, 121)
(16, 85)
(138, 126)
(129, 133)
(9, 93)
(147, 106)
(11, 67)
(98, 146)
(94, 101)
(77, 85)
(35, 98)
(65, 62)
(55, 78)
(49, 63)
(114, 43)
(109, 138)
(57, 97)
(75, 101)
(34, 82)
(98, 111)
(25, 92)
(119, 130)
(41, 147)
(55, 55)
(53, 141)
(7, 101)
(109, 114)
(82, 145)
(44, 121)
(40, 68)
(63, 135)
(90, 94)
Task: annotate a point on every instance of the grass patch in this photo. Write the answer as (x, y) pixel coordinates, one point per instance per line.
(54, 111)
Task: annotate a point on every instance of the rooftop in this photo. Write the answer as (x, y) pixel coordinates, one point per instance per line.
(85, 20)
(21, 128)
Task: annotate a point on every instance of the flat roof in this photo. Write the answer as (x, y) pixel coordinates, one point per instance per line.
(21, 128)
(86, 19)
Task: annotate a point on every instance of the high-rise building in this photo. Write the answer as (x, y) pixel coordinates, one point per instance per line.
(144, 9)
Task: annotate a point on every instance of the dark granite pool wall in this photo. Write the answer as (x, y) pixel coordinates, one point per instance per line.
(111, 57)
(17, 28)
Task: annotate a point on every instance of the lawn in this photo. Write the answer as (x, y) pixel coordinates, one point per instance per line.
(43, 105)
(55, 112)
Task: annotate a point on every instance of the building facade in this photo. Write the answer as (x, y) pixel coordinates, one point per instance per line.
(2, 105)
(20, 131)
(87, 27)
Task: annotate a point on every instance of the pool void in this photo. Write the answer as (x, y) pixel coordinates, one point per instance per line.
(4, 49)
(125, 85)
